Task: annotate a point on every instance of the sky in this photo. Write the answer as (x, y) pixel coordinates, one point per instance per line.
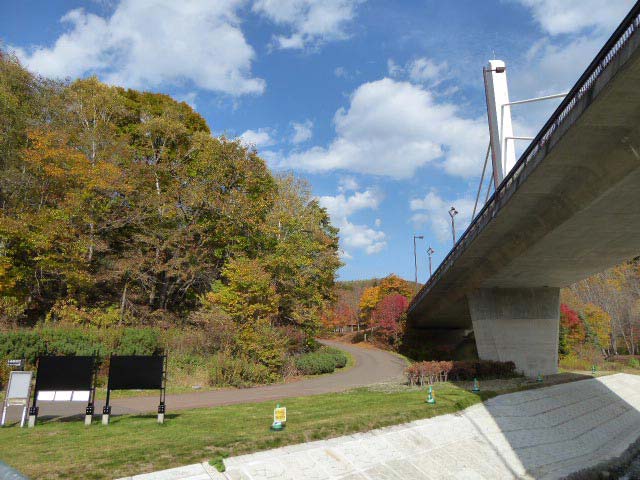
(378, 104)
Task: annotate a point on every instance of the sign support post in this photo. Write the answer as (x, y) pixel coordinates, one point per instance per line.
(163, 392)
(33, 411)
(106, 410)
(88, 415)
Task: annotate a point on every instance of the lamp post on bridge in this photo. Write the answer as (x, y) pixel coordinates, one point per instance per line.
(453, 212)
(430, 251)
(415, 257)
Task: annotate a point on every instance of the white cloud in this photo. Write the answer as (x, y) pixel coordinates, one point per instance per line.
(571, 16)
(433, 210)
(258, 138)
(393, 68)
(341, 72)
(392, 128)
(150, 43)
(362, 237)
(346, 206)
(378, 222)
(423, 70)
(302, 131)
(348, 183)
(310, 21)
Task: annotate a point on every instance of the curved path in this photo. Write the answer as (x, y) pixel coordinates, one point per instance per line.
(371, 366)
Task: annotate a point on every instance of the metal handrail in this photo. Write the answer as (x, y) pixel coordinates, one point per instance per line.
(607, 53)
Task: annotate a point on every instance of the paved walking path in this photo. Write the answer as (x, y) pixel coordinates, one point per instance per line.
(544, 434)
(371, 366)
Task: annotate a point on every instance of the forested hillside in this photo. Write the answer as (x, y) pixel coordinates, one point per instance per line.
(118, 207)
(599, 318)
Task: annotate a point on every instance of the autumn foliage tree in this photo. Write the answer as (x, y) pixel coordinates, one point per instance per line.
(120, 204)
(388, 316)
(379, 301)
(572, 330)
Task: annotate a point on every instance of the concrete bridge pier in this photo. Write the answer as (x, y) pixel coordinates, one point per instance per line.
(517, 324)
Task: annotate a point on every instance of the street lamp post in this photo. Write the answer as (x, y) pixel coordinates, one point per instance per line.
(453, 212)
(415, 257)
(430, 251)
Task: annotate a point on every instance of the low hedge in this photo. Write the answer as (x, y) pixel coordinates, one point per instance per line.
(325, 360)
(30, 344)
(482, 369)
(339, 356)
(315, 363)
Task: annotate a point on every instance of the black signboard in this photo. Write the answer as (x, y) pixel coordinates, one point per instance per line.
(65, 373)
(136, 372)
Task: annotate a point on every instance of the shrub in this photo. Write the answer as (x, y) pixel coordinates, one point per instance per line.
(11, 311)
(68, 312)
(358, 337)
(482, 369)
(634, 363)
(339, 357)
(296, 340)
(4, 374)
(236, 371)
(72, 341)
(138, 341)
(315, 363)
(420, 373)
(262, 343)
(622, 358)
(21, 344)
(67, 340)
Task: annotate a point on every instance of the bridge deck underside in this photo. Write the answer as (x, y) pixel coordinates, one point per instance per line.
(576, 211)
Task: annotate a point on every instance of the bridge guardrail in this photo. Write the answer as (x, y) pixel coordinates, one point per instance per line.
(629, 26)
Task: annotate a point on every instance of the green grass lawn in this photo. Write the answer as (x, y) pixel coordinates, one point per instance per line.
(137, 444)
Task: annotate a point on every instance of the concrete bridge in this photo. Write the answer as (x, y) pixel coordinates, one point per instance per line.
(569, 208)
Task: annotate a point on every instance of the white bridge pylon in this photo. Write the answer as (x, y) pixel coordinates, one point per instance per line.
(501, 138)
(503, 154)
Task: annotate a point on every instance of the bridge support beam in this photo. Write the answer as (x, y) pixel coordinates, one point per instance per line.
(520, 325)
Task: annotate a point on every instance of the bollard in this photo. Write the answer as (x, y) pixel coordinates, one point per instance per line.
(431, 399)
(161, 411)
(106, 413)
(476, 386)
(33, 416)
(88, 415)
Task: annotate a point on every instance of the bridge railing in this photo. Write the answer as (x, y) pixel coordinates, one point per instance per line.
(629, 26)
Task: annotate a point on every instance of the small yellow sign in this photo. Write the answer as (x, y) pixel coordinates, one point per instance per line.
(280, 414)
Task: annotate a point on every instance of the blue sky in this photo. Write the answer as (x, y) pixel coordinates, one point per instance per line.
(378, 104)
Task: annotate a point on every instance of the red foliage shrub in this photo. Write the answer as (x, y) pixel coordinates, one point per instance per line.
(569, 317)
(428, 372)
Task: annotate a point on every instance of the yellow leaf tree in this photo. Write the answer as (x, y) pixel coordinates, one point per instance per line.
(368, 301)
(599, 323)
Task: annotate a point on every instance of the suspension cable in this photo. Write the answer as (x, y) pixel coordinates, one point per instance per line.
(484, 167)
(489, 186)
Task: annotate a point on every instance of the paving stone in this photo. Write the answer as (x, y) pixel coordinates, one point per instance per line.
(405, 470)
(383, 472)
(545, 433)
